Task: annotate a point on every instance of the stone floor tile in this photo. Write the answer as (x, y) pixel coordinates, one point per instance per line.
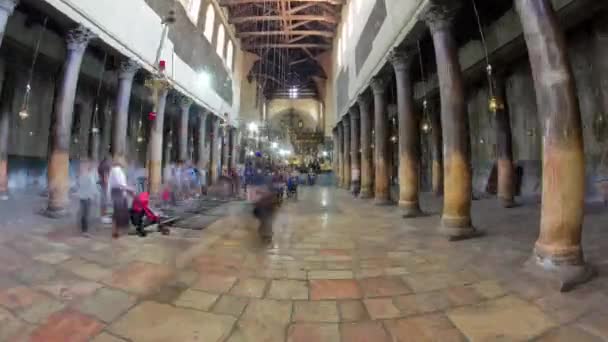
(198, 300)
(381, 308)
(140, 278)
(268, 311)
(39, 312)
(315, 311)
(595, 324)
(336, 274)
(430, 328)
(36, 273)
(383, 287)
(230, 305)
(422, 303)
(86, 270)
(313, 332)
(436, 281)
(105, 337)
(52, 258)
(463, 295)
(10, 326)
(363, 332)
(258, 331)
(149, 321)
(249, 287)
(352, 311)
(288, 290)
(214, 283)
(106, 304)
(20, 297)
(489, 289)
(67, 325)
(69, 289)
(568, 334)
(335, 289)
(507, 317)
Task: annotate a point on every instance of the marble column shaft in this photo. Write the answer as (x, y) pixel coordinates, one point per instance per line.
(346, 182)
(203, 156)
(334, 134)
(382, 174)
(340, 154)
(155, 147)
(437, 152)
(409, 135)
(60, 136)
(185, 104)
(216, 150)
(504, 148)
(127, 71)
(367, 161)
(456, 218)
(355, 147)
(8, 93)
(7, 8)
(558, 248)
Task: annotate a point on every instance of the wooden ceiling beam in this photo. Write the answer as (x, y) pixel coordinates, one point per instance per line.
(245, 2)
(309, 17)
(316, 33)
(288, 46)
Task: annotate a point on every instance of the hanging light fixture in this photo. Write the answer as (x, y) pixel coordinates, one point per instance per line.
(24, 112)
(426, 125)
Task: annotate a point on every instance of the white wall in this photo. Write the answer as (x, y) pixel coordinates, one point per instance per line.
(134, 29)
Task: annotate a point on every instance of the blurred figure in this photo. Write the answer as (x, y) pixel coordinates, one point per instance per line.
(87, 192)
(103, 171)
(119, 190)
(262, 197)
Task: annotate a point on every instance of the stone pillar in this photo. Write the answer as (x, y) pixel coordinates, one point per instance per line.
(184, 103)
(127, 71)
(355, 146)
(504, 148)
(347, 153)
(558, 249)
(234, 147)
(409, 136)
(340, 154)
(437, 153)
(456, 218)
(203, 158)
(334, 134)
(226, 148)
(382, 174)
(8, 94)
(60, 136)
(366, 147)
(155, 144)
(216, 150)
(7, 7)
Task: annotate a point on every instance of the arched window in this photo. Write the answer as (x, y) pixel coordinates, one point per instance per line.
(192, 8)
(229, 54)
(339, 53)
(209, 23)
(220, 42)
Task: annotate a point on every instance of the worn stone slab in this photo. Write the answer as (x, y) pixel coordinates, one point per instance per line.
(316, 311)
(106, 304)
(196, 300)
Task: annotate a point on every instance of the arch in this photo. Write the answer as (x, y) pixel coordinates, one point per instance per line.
(209, 23)
(229, 54)
(219, 48)
(192, 8)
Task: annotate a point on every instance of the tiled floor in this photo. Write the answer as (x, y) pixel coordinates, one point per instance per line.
(339, 269)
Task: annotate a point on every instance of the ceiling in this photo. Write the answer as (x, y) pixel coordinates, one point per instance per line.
(288, 36)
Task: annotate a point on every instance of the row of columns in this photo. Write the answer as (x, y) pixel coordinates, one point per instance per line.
(558, 248)
(77, 41)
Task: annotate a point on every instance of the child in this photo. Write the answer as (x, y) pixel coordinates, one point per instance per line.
(87, 191)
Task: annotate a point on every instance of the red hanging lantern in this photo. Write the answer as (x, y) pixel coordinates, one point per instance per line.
(152, 116)
(162, 65)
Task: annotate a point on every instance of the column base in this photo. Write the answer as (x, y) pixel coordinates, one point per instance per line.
(56, 213)
(458, 228)
(566, 275)
(366, 194)
(381, 202)
(507, 202)
(410, 209)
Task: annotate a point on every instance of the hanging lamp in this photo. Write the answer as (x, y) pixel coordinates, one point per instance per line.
(24, 112)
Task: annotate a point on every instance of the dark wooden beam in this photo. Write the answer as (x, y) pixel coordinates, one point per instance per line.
(317, 33)
(288, 46)
(310, 17)
(245, 2)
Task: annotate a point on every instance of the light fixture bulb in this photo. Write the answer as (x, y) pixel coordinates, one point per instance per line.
(23, 114)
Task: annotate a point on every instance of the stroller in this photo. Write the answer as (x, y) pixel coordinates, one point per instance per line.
(142, 216)
(292, 187)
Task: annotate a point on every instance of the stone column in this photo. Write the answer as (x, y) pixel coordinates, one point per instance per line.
(355, 146)
(409, 136)
(226, 148)
(366, 147)
(456, 219)
(347, 153)
(340, 154)
(127, 71)
(437, 153)
(203, 159)
(234, 147)
(7, 7)
(60, 136)
(8, 94)
(184, 103)
(334, 134)
(215, 150)
(155, 144)
(504, 147)
(382, 174)
(558, 249)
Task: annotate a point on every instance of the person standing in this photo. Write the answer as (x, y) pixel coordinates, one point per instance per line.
(118, 190)
(87, 191)
(103, 171)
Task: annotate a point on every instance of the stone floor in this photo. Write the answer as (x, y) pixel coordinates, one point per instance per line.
(339, 269)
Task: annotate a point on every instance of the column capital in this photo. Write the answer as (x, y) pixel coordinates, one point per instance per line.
(346, 120)
(127, 69)
(401, 59)
(354, 113)
(8, 6)
(184, 102)
(378, 85)
(78, 38)
(439, 15)
(364, 100)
